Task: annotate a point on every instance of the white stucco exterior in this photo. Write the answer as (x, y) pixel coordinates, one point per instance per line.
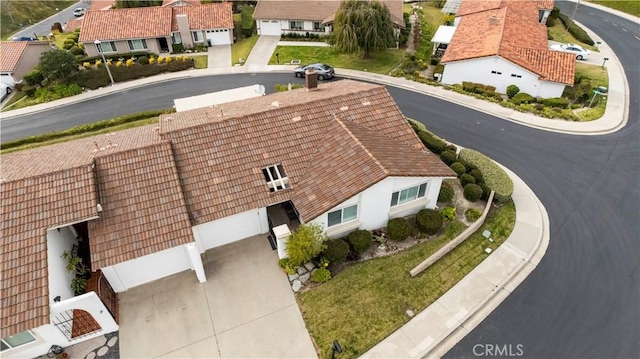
(506, 73)
(231, 229)
(59, 241)
(276, 27)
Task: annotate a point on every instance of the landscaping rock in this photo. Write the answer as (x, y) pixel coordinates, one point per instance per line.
(301, 270)
(305, 277)
(293, 277)
(410, 313)
(296, 286)
(309, 266)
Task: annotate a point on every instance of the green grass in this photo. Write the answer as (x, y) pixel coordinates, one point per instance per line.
(26, 12)
(17, 96)
(596, 74)
(594, 113)
(629, 6)
(380, 63)
(200, 61)
(60, 38)
(559, 33)
(242, 48)
(434, 17)
(366, 302)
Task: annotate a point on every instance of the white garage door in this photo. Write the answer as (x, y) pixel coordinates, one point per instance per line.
(219, 36)
(270, 27)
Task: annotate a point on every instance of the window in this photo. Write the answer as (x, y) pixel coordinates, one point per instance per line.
(106, 46)
(17, 340)
(276, 178)
(514, 75)
(137, 44)
(496, 72)
(343, 215)
(197, 36)
(408, 195)
(176, 38)
(317, 26)
(296, 24)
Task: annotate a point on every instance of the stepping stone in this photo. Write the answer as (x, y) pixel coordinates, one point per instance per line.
(486, 234)
(293, 277)
(309, 266)
(487, 250)
(296, 286)
(305, 277)
(301, 270)
(112, 341)
(491, 240)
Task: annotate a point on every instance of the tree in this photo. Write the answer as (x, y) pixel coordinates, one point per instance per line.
(57, 64)
(362, 26)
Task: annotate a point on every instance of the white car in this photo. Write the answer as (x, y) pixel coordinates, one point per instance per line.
(5, 90)
(78, 12)
(580, 52)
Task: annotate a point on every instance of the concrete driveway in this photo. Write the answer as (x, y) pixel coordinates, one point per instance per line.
(246, 309)
(261, 52)
(219, 56)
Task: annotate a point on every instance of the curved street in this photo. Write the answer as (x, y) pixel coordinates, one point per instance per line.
(583, 299)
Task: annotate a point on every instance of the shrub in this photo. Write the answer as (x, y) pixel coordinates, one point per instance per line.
(286, 265)
(247, 21)
(446, 192)
(169, 59)
(560, 102)
(490, 89)
(305, 243)
(152, 61)
(143, 60)
(472, 192)
(98, 64)
(448, 157)
(119, 64)
(95, 78)
(434, 143)
(477, 174)
(336, 251)
(33, 77)
(521, 98)
(494, 176)
(458, 168)
(512, 90)
(285, 87)
(178, 48)
(466, 178)
(429, 221)
(161, 60)
(68, 44)
(467, 86)
(321, 275)
(76, 50)
(452, 148)
(472, 214)
(486, 191)
(130, 62)
(479, 88)
(360, 240)
(575, 30)
(86, 65)
(398, 229)
(448, 213)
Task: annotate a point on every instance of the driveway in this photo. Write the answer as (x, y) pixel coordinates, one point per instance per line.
(261, 52)
(219, 56)
(245, 309)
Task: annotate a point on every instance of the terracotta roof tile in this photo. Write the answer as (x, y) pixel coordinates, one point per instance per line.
(143, 206)
(180, 2)
(29, 207)
(131, 23)
(10, 54)
(474, 6)
(211, 16)
(73, 24)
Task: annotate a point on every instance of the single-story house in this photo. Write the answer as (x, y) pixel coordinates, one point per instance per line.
(180, 3)
(156, 29)
(507, 46)
(277, 17)
(145, 203)
(18, 58)
(466, 7)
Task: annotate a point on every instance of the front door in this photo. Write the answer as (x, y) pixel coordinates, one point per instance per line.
(164, 45)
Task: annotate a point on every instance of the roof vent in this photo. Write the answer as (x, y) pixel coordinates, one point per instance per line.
(275, 104)
(366, 103)
(344, 108)
(296, 119)
(493, 20)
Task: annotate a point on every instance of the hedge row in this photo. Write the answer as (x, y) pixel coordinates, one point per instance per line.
(494, 176)
(84, 128)
(575, 30)
(95, 78)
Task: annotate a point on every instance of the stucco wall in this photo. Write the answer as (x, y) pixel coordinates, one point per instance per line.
(59, 241)
(122, 47)
(30, 58)
(231, 229)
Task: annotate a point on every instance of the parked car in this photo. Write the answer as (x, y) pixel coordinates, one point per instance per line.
(580, 52)
(77, 12)
(5, 90)
(324, 71)
(24, 38)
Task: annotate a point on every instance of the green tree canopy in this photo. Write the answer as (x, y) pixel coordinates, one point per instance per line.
(362, 26)
(57, 64)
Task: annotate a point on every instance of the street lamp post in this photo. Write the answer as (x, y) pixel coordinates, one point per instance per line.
(98, 47)
(604, 62)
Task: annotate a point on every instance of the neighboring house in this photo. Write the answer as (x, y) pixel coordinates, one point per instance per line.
(73, 24)
(144, 203)
(180, 3)
(277, 17)
(506, 46)
(19, 57)
(466, 7)
(156, 29)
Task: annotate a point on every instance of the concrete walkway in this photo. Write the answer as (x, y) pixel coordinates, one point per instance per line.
(261, 53)
(219, 56)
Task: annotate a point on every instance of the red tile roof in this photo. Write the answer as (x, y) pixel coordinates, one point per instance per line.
(211, 16)
(73, 24)
(10, 54)
(180, 2)
(474, 6)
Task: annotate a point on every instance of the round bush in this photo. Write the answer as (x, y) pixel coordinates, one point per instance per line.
(360, 240)
(458, 168)
(472, 192)
(477, 174)
(320, 275)
(522, 98)
(466, 178)
(33, 77)
(448, 157)
(336, 251)
(472, 214)
(68, 43)
(429, 221)
(398, 229)
(143, 60)
(486, 191)
(512, 90)
(446, 192)
(76, 50)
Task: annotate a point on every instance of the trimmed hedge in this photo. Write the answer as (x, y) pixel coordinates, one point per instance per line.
(512, 90)
(477, 174)
(429, 221)
(466, 178)
(114, 57)
(494, 176)
(360, 240)
(472, 214)
(560, 102)
(336, 251)
(472, 192)
(434, 143)
(458, 168)
(95, 78)
(446, 192)
(398, 229)
(448, 157)
(575, 30)
(522, 98)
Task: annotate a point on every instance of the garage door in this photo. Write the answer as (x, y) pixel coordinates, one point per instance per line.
(219, 36)
(270, 27)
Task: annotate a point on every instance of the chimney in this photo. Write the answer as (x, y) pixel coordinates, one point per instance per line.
(311, 80)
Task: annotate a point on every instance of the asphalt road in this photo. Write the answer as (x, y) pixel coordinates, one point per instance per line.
(44, 26)
(583, 300)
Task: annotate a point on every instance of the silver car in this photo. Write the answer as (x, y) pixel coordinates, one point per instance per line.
(324, 71)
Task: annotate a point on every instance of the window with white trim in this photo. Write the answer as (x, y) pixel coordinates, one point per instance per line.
(296, 24)
(197, 36)
(317, 26)
(135, 45)
(106, 46)
(342, 215)
(17, 340)
(408, 195)
(176, 38)
(276, 179)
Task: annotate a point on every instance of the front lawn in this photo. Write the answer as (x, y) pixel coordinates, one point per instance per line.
(366, 302)
(597, 75)
(242, 48)
(559, 33)
(380, 63)
(629, 6)
(200, 61)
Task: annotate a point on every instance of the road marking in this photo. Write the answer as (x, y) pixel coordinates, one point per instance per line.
(605, 20)
(614, 24)
(623, 29)
(637, 38)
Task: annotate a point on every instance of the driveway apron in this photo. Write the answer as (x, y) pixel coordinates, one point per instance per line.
(245, 309)
(261, 52)
(219, 56)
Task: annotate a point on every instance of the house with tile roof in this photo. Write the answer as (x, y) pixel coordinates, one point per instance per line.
(19, 57)
(278, 17)
(156, 29)
(506, 45)
(181, 2)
